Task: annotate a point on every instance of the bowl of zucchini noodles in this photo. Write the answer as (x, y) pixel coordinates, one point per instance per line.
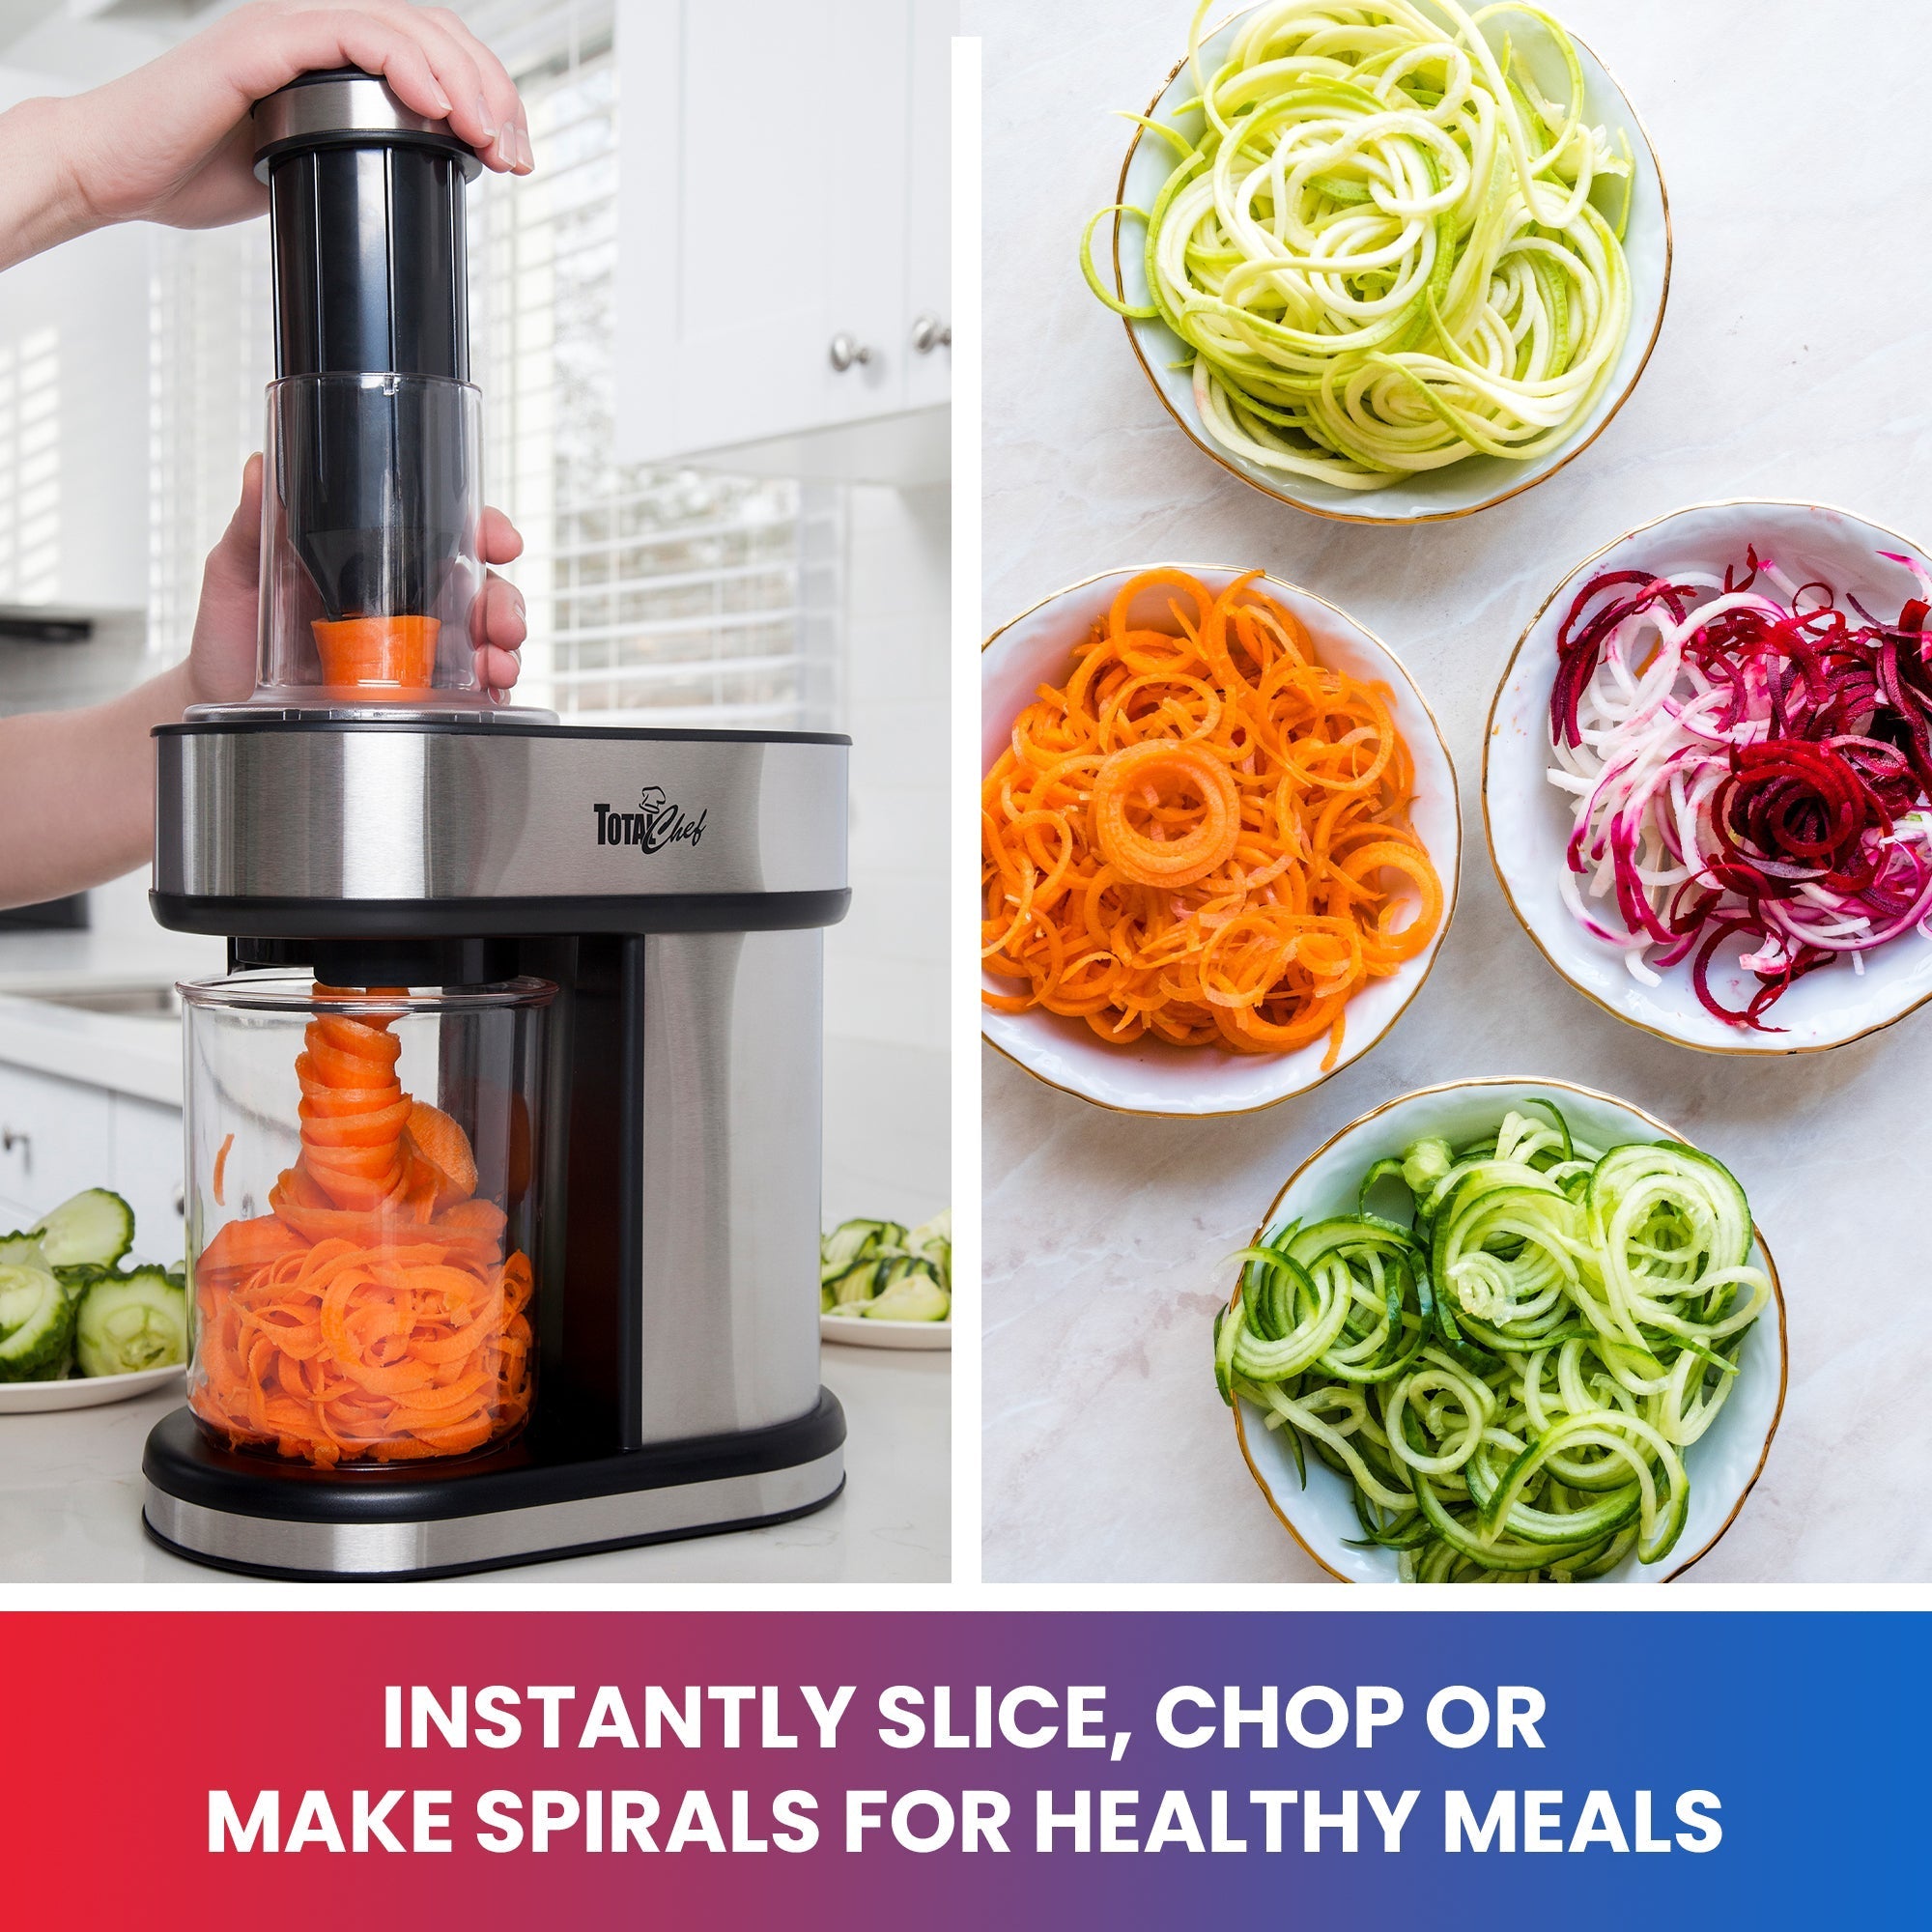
(1506, 1330)
(1392, 265)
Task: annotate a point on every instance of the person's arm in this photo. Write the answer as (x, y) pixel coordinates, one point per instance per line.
(77, 787)
(171, 142)
(76, 791)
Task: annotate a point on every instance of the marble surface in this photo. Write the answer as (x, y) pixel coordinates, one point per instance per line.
(1791, 364)
(70, 1499)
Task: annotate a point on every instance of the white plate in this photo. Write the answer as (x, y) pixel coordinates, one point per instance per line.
(1722, 1465)
(1528, 820)
(860, 1333)
(86, 1391)
(1154, 1076)
(1478, 481)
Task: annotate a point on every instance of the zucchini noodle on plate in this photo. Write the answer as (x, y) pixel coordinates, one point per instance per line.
(1380, 249)
(1509, 1384)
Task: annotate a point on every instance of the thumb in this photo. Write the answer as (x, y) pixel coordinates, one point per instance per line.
(238, 555)
(223, 658)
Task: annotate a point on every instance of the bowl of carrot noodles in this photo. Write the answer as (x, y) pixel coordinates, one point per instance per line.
(1219, 840)
(1707, 778)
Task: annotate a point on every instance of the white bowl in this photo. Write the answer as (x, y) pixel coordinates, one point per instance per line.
(1722, 1465)
(1529, 821)
(1154, 1076)
(1477, 482)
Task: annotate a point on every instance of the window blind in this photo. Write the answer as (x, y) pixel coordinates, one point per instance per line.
(30, 467)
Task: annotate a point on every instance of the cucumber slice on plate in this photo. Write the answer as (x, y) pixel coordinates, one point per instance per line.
(933, 1240)
(78, 1279)
(95, 1229)
(856, 1285)
(22, 1249)
(913, 1297)
(848, 1242)
(35, 1326)
(131, 1322)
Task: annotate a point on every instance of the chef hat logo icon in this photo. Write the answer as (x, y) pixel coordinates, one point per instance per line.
(651, 799)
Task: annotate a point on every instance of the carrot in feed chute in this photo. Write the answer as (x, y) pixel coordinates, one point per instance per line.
(372, 1315)
(218, 1178)
(1204, 835)
(392, 656)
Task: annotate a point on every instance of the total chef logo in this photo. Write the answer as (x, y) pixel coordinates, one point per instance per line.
(656, 823)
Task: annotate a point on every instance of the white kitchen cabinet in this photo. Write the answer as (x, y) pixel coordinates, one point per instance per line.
(59, 1136)
(782, 222)
(147, 1162)
(930, 194)
(54, 1138)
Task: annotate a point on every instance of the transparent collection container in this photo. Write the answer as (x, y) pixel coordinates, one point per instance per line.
(364, 1195)
(371, 509)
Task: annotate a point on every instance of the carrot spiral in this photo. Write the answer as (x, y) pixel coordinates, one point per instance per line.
(1204, 835)
(372, 1314)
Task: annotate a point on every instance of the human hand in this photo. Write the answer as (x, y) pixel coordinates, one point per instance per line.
(497, 623)
(171, 142)
(221, 660)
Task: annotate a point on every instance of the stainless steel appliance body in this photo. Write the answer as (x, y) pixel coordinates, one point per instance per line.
(675, 886)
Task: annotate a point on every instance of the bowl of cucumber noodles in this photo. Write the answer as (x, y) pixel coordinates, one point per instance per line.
(1505, 1331)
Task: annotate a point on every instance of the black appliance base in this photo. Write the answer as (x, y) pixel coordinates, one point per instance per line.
(526, 1503)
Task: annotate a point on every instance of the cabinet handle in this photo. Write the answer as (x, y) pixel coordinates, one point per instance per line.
(12, 1138)
(846, 350)
(929, 334)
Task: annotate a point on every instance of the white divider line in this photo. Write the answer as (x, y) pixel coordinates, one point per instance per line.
(967, 631)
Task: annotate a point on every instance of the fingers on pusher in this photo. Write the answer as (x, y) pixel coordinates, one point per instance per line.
(512, 149)
(497, 90)
(425, 75)
(462, 75)
(403, 59)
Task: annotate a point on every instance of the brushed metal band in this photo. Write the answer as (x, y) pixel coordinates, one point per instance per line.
(490, 1537)
(733, 1087)
(426, 814)
(325, 109)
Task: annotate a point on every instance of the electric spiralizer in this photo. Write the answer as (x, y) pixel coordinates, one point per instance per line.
(503, 1126)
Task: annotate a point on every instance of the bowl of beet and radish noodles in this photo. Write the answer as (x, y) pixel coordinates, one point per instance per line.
(1707, 778)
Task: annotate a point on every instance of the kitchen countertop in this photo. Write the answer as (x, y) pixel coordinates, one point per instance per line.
(1789, 365)
(99, 957)
(130, 1055)
(71, 1499)
(70, 1484)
